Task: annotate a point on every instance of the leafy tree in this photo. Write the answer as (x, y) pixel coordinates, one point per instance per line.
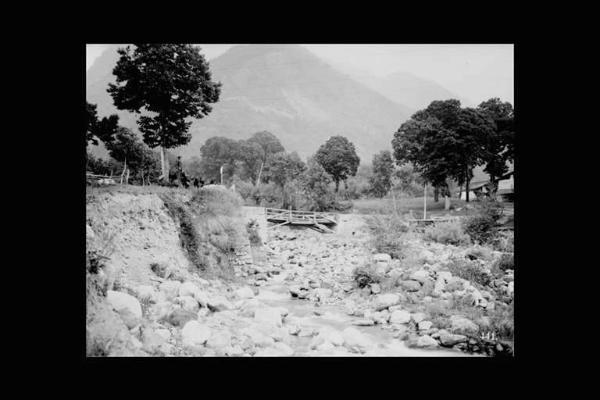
(338, 157)
(134, 154)
(468, 147)
(314, 183)
(423, 143)
(219, 152)
(282, 168)
(255, 153)
(171, 82)
(95, 129)
(383, 168)
(407, 180)
(443, 141)
(499, 148)
(251, 157)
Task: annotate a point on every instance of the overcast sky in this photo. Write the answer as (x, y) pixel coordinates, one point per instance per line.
(475, 72)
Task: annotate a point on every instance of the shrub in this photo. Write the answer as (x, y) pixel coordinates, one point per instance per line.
(244, 188)
(364, 276)
(506, 262)
(448, 232)
(478, 253)
(253, 236)
(388, 232)
(472, 271)
(482, 227)
(504, 241)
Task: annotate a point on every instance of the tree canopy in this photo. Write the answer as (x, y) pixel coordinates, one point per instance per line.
(446, 141)
(170, 82)
(500, 144)
(97, 129)
(383, 168)
(219, 151)
(338, 157)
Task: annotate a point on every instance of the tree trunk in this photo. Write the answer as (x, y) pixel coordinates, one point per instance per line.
(493, 187)
(259, 174)
(446, 203)
(337, 185)
(467, 188)
(436, 194)
(127, 177)
(164, 164)
(124, 169)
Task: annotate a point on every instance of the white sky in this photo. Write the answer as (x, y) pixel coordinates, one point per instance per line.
(476, 72)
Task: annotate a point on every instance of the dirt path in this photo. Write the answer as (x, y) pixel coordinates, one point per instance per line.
(320, 267)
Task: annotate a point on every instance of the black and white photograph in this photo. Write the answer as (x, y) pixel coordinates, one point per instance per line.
(299, 200)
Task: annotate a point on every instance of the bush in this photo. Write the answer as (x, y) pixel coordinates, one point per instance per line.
(504, 241)
(244, 188)
(506, 262)
(449, 232)
(472, 271)
(364, 276)
(388, 233)
(253, 236)
(482, 227)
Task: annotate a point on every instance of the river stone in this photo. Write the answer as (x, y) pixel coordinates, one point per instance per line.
(154, 342)
(382, 257)
(410, 285)
(400, 317)
(363, 322)
(383, 301)
(188, 303)
(425, 325)
(375, 288)
(146, 293)
(462, 325)
(245, 292)
(418, 317)
(170, 289)
(448, 339)
(123, 302)
(180, 317)
(355, 340)
(89, 233)
(426, 341)
(219, 340)
(219, 303)
(194, 334)
(268, 315)
(420, 276)
(257, 337)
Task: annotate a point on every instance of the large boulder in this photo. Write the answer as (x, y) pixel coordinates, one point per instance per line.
(448, 339)
(219, 303)
(355, 340)
(127, 306)
(154, 342)
(180, 317)
(426, 341)
(383, 301)
(462, 325)
(195, 334)
(244, 292)
(187, 303)
(420, 276)
(146, 293)
(170, 289)
(382, 257)
(410, 285)
(400, 317)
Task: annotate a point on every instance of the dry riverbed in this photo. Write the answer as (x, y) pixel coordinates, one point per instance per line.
(295, 296)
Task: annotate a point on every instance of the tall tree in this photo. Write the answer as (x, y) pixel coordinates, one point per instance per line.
(219, 152)
(338, 157)
(499, 149)
(99, 129)
(259, 148)
(170, 82)
(282, 168)
(315, 186)
(383, 168)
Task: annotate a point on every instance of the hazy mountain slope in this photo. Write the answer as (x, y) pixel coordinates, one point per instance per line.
(284, 89)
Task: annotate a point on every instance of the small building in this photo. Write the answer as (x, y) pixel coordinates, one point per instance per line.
(481, 188)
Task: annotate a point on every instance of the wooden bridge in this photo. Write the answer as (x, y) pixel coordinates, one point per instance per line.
(318, 221)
